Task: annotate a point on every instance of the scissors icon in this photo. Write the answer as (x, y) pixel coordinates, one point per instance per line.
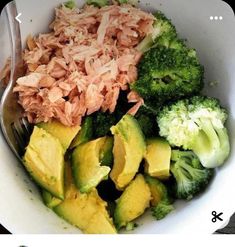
(216, 216)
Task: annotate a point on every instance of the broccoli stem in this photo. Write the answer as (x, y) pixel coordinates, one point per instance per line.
(145, 44)
(224, 150)
(211, 145)
(183, 181)
(151, 109)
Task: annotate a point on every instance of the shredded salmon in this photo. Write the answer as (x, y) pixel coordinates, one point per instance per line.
(83, 63)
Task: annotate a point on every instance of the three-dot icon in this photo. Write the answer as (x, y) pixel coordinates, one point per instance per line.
(216, 18)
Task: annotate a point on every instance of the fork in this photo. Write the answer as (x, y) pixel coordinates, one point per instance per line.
(15, 128)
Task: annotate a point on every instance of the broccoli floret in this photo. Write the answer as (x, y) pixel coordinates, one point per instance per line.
(132, 2)
(131, 226)
(146, 124)
(102, 122)
(70, 4)
(161, 202)
(197, 124)
(146, 120)
(98, 3)
(167, 74)
(161, 210)
(191, 177)
(164, 33)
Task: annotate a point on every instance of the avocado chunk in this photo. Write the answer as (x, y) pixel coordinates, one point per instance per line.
(86, 211)
(106, 154)
(65, 134)
(161, 202)
(158, 190)
(133, 202)
(128, 151)
(157, 158)
(44, 160)
(85, 134)
(49, 200)
(86, 165)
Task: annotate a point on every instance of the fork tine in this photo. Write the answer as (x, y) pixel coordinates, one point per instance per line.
(22, 131)
(18, 138)
(27, 129)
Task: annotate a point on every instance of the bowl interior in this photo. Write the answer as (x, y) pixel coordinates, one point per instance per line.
(21, 207)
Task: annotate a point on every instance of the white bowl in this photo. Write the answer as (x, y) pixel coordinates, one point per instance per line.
(21, 207)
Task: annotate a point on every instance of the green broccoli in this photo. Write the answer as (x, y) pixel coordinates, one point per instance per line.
(98, 3)
(161, 210)
(132, 2)
(102, 122)
(164, 33)
(190, 176)
(70, 4)
(161, 202)
(146, 120)
(197, 124)
(167, 74)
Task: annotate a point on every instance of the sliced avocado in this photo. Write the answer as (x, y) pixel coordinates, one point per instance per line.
(44, 160)
(128, 151)
(86, 165)
(65, 134)
(49, 200)
(161, 202)
(158, 190)
(106, 154)
(87, 211)
(133, 202)
(101, 223)
(85, 134)
(157, 158)
(52, 201)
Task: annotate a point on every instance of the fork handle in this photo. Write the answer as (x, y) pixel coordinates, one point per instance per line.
(10, 111)
(16, 48)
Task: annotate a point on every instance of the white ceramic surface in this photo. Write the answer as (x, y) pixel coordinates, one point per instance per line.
(21, 208)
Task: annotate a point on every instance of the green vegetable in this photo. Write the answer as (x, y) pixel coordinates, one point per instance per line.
(168, 70)
(102, 122)
(166, 74)
(164, 33)
(161, 201)
(122, 1)
(146, 121)
(131, 226)
(98, 3)
(70, 4)
(197, 124)
(191, 177)
(132, 2)
(162, 210)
